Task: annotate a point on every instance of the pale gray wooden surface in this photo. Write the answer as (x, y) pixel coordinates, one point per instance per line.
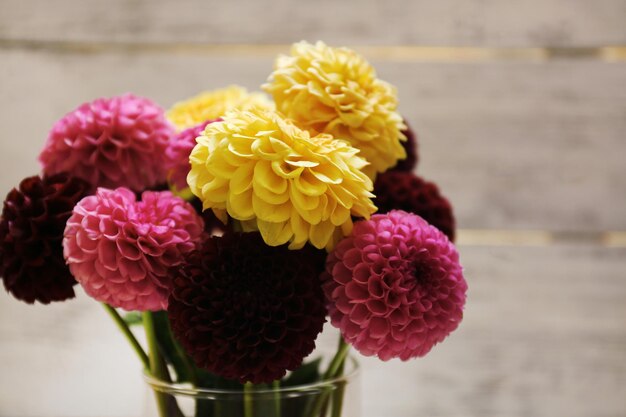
(442, 22)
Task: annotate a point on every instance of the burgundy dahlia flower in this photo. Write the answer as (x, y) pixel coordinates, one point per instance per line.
(31, 231)
(395, 287)
(409, 163)
(248, 311)
(122, 250)
(178, 154)
(111, 142)
(408, 192)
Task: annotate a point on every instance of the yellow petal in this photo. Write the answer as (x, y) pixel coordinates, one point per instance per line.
(307, 185)
(270, 212)
(265, 177)
(339, 215)
(321, 233)
(275, 234)
(221, 215)
(301, 201)
(214, 191)
(268, 196)
(239, 206)
(242, 179)
(300, 229)
(283, 170)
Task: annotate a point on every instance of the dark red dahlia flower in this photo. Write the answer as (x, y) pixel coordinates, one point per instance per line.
(410, 147)
(248, 311)
(31, 231)
(408, 192)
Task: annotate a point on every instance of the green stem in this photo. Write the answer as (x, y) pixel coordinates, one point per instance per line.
(338, 360)
(167, 405)
(248, 402)
(171, 349)
(335, 368)
(158, 368)
(337, 402)
(276, 387)
(121, 324)
(186, 363)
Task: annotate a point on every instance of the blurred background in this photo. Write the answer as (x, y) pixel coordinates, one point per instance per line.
(520, 110)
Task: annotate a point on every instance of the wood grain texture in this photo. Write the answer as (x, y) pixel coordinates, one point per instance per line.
(513, 145)
(543, 336)
(353, 22)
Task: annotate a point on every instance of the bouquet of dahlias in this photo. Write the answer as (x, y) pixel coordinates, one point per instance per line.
(231, 226)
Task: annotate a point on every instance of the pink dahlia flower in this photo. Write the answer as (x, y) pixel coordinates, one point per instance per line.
(111, 142)
(121, 250)
(178, 154)
(394, 287)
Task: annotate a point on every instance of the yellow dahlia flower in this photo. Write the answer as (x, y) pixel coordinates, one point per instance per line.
(277, 179)
(213, 104)
(335, 90)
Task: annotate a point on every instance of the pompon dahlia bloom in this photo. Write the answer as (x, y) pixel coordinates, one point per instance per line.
(406, 191)
(111, 142)
(212, 105)
(248, 311)
(31, 231)
(395, 287)
(275, 177)
(336, 91)
(178, 155)
(121, 250)
(410, 148)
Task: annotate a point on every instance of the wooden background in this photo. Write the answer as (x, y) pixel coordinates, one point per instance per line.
(520, 108)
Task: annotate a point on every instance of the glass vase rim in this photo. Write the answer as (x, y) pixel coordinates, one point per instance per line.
(187, 389)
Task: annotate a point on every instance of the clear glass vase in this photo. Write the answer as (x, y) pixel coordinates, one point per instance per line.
(337, 397)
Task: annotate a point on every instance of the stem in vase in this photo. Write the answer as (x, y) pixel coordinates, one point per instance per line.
(121, 324)
(166, 405)
(248, 404)
(277, 406)
(335, 369)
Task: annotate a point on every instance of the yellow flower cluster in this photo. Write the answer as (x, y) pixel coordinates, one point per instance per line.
(214, 104)
(336, 91)
(274, 177)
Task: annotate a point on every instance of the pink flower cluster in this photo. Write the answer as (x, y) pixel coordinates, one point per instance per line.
(121, 250)
(178, 154)
(111, 142)
(394, 287)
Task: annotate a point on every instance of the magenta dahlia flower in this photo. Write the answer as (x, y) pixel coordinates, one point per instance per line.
(248, 311)
(178, 154)
(395, 287)
(122, 250)
(111, 142)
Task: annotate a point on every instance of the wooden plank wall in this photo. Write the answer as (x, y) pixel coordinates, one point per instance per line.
(372, 22)
(538, 144)
(521, 120)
